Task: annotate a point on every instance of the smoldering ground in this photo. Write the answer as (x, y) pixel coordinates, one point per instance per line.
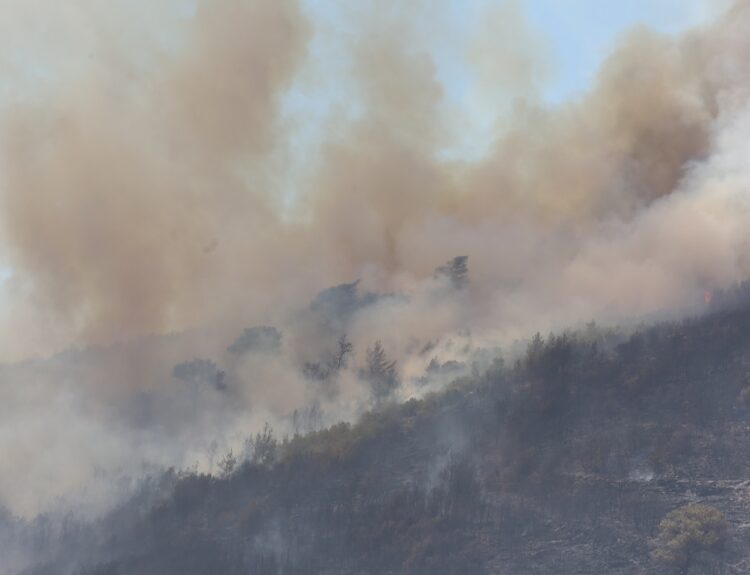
(153, 183)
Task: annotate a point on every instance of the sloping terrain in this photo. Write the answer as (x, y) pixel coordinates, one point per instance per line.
(564, 462)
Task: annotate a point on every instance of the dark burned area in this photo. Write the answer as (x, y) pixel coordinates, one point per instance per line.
(565, 462)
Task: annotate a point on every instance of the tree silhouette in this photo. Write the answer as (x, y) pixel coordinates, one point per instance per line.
(456, 271)
(380, 373)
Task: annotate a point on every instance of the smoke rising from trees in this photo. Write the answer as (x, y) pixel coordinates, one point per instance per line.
(141, 187)
(145, 189)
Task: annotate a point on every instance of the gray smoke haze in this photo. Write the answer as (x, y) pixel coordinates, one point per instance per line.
(153, 185)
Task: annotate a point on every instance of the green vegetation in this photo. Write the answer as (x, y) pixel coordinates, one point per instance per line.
(687, 531)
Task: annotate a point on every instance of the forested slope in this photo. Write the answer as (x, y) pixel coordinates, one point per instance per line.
(565, 461)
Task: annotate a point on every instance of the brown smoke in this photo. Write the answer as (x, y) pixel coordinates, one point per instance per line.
(145, 194)
(120, 188)
(152, 180)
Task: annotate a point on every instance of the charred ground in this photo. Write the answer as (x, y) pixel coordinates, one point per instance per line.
(565, 461)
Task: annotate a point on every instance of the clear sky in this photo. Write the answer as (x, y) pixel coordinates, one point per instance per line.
(570, 38)
(581, 33)
(577, 33)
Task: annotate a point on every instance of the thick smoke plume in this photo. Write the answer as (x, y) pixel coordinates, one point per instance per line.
(145, 193)
(153, 182)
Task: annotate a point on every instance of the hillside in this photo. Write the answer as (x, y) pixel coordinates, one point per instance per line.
(564, 462)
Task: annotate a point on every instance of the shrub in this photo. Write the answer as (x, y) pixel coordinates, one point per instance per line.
(687, 531)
